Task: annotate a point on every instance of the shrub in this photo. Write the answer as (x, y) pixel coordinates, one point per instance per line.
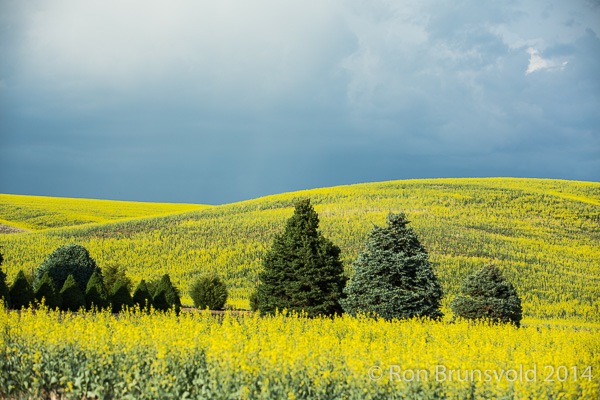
(120, 296)
(392, 275)
(72, 296)
(47, 290)
(71, 259)
(209, 292)
(142, 296)
(166, 295)
(486, 294)
(96, 294)
(20, 293)
(302, 271)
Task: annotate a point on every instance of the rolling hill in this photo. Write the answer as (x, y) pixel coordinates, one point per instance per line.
(543, 234)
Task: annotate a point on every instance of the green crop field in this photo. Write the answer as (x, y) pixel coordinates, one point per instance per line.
(544, 235)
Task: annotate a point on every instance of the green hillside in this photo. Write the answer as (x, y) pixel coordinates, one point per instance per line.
(543, 234)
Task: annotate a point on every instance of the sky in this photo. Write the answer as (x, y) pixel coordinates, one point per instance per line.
(219, 101)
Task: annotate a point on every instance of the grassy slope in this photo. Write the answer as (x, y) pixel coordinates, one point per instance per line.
(40, 212)
(544, 234)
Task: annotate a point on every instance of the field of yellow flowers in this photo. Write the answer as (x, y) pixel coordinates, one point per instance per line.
(39, 212)
(196, 355)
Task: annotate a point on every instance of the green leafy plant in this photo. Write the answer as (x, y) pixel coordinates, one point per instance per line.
(486, 294)
(71, 259)
(209, 292)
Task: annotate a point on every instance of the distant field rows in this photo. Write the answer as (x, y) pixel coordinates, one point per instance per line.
(543, 234)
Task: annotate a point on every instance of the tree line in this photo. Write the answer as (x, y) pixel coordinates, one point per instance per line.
(392, 278)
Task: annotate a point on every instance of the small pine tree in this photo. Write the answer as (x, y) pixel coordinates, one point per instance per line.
(170, 293)
(302, 271)
(96, 294)
(486, 294)
(113, 273)
(120, 296)
(392, 276)
(72, 296)
(141, 296)
(159, 301)
(4, 291)
(20, 293)
(47, 290)
(209, 292)
(71, 259)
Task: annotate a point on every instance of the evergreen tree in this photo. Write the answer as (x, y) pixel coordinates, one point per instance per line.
(159, 301)
(71, 259)
(486, 294)
(20, 293)
(302, 270)
(72, 296)
(142, 296)
(96, 294)
(120, 296)
(47, 290)
(166, 295)
(392, 275)
(112, 273)
(3, 286)
(209, 291)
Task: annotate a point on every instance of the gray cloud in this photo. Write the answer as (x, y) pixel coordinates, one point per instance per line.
(220, 101)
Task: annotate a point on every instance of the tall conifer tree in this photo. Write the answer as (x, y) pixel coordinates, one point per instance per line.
(302, 270)
(392, 276)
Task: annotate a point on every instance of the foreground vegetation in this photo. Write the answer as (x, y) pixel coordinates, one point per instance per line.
(543, 235)
(157, 355)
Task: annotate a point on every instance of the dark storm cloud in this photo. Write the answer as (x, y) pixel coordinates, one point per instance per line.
(219, 101)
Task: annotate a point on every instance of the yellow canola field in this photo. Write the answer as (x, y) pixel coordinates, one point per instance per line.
(41, 212)
(196, 355)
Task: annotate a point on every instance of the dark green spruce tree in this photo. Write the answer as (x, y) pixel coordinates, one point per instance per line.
(120, 297)
(393, 277)
(142, 296)
(20, 293)
(72, 296)
(166, 295)
(302, 271)
(96, 294)
(47, 290)
(486, 294)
